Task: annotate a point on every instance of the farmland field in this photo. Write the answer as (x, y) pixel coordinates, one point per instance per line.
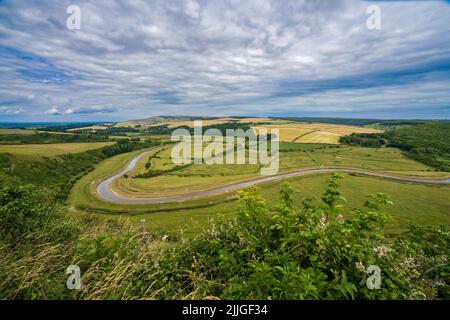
(51, 150)
(94, 127)
(412, 203)
(200, 177)
(222, 121)
(15, 131)
(314, 132)
(417, 203)
(179, 121)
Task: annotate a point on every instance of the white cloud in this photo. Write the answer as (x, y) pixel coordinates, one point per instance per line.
(55, 110)
(192, 9)
(11, 110)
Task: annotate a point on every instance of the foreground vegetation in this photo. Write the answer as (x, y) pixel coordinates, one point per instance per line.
(286, 250)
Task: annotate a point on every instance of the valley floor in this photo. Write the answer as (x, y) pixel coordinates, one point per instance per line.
(421, 204)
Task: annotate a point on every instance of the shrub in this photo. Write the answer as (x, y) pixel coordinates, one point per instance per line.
(286, 250)
(311, 252)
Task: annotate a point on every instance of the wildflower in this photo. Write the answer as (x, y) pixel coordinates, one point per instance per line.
(340, 218)
(194, 262)
(360, 266)
(381, 251)
(323, 222)
(417, 295)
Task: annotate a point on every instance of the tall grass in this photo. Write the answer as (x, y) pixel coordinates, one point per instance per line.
(283, 250)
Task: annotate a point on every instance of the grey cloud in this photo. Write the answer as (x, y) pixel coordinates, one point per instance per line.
(210, 57)
(11, 110)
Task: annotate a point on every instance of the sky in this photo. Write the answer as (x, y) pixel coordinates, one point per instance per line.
(135, 59)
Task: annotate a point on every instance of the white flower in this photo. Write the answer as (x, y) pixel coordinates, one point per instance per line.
(381, 251)
(323, 222)
(360, 266)
(340, 218)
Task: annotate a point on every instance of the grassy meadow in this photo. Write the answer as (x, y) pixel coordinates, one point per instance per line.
(413, 203)
(292, 157)
(419, 204)
(16, 131)
(51, 150)
(304, 145)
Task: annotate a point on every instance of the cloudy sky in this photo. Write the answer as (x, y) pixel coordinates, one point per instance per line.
(134, 59)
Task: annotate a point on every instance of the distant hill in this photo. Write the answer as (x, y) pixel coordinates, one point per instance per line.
(159, 120)
(356, 121)
(378, 124)
(184, 120)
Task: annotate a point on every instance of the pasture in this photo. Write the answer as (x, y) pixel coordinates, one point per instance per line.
(201, 177)
(417, 204)
(4, 131)
(51, 150)
(420, 204)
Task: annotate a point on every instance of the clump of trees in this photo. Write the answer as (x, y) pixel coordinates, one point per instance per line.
(371, 140)
(156, 173)
(60, 173)
(114, 131)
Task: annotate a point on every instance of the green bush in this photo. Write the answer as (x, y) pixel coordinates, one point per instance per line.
(427, 143)
(60, 173)
(27, 214)
(311, 252)
(285, 250)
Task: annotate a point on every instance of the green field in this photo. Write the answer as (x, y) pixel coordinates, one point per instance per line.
(16, 131)
(417, 204)
(413, 203)
(51, 150)
(292, 157)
